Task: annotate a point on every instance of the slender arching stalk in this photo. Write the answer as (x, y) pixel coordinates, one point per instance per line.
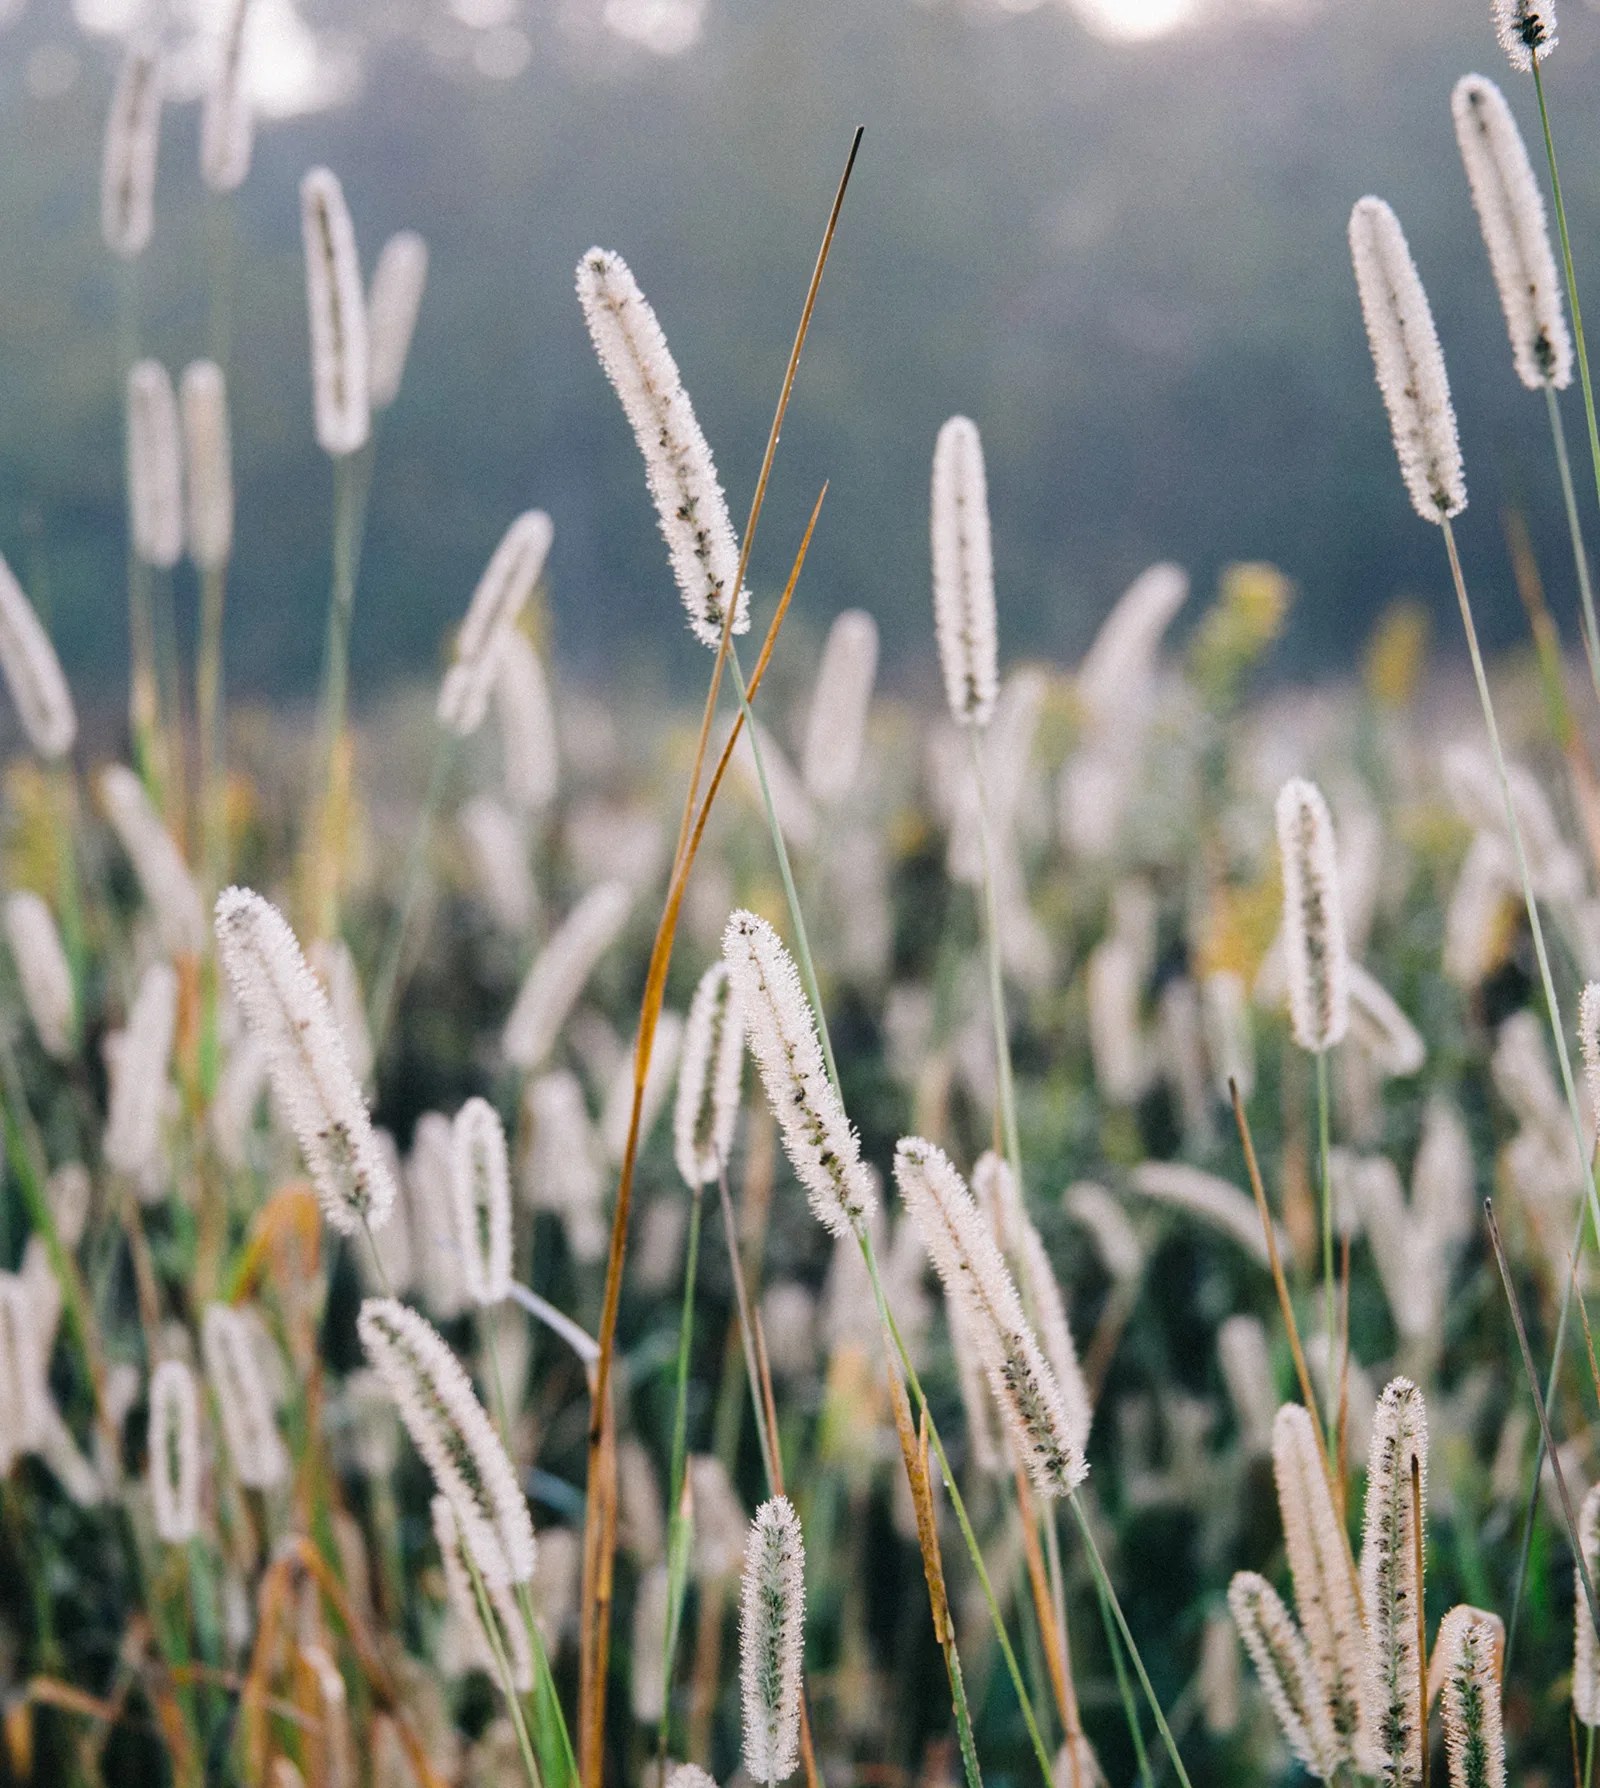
(1580, 556)
(1324, 1169)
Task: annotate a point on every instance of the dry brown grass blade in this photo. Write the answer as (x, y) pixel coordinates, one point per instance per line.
(1043, 1603)
(1342, 1453)
(914, 1450)
(273, 1605)
(600, 1507)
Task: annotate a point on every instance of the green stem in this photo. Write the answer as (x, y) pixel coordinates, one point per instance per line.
(679, 1526)
(386, 984)
(809, 978)
(1553, 1011)
(508, 1685)
(997, 999)
(209, 724)
(1097, 1564)
(1580, 558)
(1571, 279)
(1124, 1688)
(1331, 1386)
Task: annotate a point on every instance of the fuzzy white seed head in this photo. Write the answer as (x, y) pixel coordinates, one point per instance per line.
(1284, 1666)
(495, 846)
(964, 1255)
(690, 1775)
(690, 505)
(647, 1687)
(24, 1399)
(507, 583)
(1408, 361)
(462, 1595)
(1586, 1644)
(1526, 30)
(337, 308)
(836, 729)
(529, 754)
(449, 1427)
(227, 119)
(781, 1029)
(208, 463)
(1000, 1198)
(1390, 1584)
(1315, 953)
(1391, 1042)
(963, 575)
(154, 466)
(43, 972)
(132, 1143)
(1214, 1200)
(1467, 1651)
(1589, 1041)
(175, 1452)
(616, 1115)
(230, 1347)
(286, 1009)
(480, 1185)
(33, 673)
(393, 299)
(560, 972)
(128, 165)
(1511, 215)
(772, 1616)
(709, 1071)
(1120, 665)
(1324, 1587)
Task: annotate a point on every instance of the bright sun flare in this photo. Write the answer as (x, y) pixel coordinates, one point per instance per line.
(1135, 21)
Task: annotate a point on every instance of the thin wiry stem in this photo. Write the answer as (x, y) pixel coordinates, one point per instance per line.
(1580, 557)
(508, 1687)
(677, 1549)
(1539, 1406)
(1004, 1080)
(1323, 1168)
(1552, 1005)
(385, 985)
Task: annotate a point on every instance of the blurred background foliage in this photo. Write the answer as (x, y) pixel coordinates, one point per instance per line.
(1118, 246)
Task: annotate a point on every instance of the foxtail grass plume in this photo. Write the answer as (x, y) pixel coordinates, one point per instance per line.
(1390, 1589)
(1284, 1666)
(496, 850)
(1526, 30)
(772, 1618)
(1324, 1584)
(1214, 1200)
(1586, 1644)
(43, 972)
(128, 164)
(1408, 361)
(963, 575)
(227, 119)
(530, 768)
(1589, 1042)
(1511, 215)
(616, 1114)
(132, 1142)
(709, 1071)
(781, 1029)
(337, 308)
(964, 1255)
(507, 582)
(690, 505)
(690, 1775)
(175, 1452)
(560, 971)
(999, 1196)
(23, 1397)
(1467, 1650)
(230, 1347)
(393, 299)
(155, 466)
(1315, 952)
(33, 673)
(647, 1685)
(1378, 1023)
(316, 1090)
(462, 1596)
(208, 463)
(1122, 659)
(836, 728)
(455, 1437)
(480, 1183)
